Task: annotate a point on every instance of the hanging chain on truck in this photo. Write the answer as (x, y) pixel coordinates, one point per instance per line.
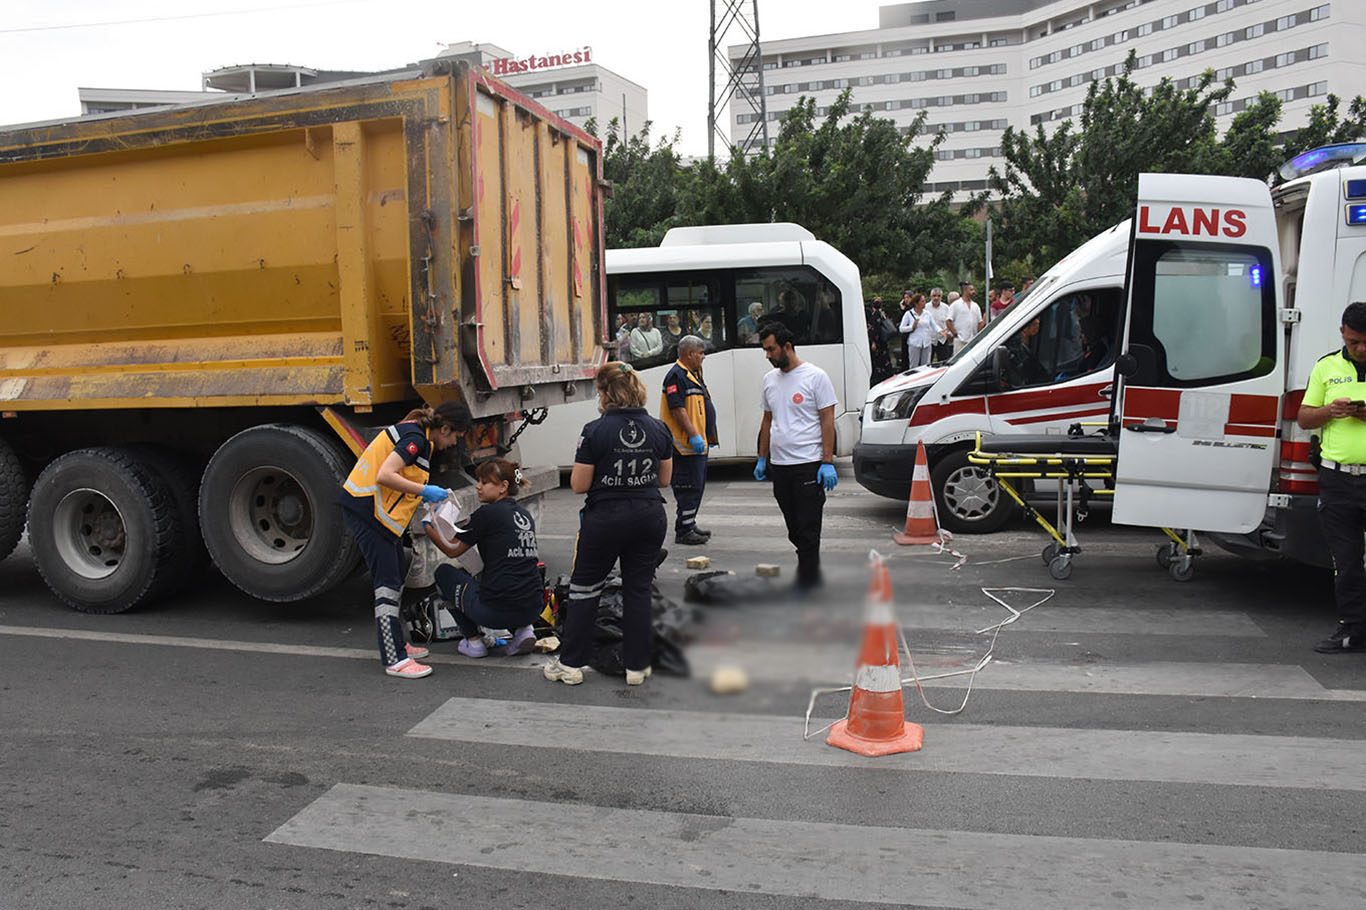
(530, 419)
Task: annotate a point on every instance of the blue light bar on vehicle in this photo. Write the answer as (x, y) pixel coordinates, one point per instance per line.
(1256, 276)
(1356, 214)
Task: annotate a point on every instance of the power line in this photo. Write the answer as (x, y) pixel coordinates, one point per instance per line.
(234, 12)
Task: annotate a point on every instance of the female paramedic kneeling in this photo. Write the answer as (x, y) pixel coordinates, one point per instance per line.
(378, 500)
(512, 593)
(623, 458)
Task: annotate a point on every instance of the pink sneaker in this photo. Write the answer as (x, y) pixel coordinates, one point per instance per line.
(417, 652)
(409, 669)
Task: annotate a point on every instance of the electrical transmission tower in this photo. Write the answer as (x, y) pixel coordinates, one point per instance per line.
(744, 78)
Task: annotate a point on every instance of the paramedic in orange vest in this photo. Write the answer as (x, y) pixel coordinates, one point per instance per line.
(1335, 400)
(686, 409)
(379, 498)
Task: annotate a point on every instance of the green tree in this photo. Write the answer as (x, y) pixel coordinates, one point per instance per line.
(647, 182)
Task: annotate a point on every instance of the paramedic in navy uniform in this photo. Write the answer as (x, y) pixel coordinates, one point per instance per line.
(686, 409)
(797, 445)
(1333, 401)
(623, 459)
(378, 500)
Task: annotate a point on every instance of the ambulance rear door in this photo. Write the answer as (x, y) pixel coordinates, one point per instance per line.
(1202, 364)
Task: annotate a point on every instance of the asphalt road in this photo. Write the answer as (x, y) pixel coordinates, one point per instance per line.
(1134, 742)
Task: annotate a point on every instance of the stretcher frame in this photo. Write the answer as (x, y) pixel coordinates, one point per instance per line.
(1071, 471)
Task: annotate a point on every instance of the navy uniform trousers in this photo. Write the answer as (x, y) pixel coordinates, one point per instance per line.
(802, 501)
(631, 530)
(689, 481)
(383, 554)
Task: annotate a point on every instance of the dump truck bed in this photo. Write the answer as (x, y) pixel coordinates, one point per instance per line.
(434, 234)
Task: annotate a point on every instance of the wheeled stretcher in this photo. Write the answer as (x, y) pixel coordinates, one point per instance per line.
(1082, 465)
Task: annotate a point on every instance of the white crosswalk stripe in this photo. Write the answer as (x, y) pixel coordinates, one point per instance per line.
(855, 863)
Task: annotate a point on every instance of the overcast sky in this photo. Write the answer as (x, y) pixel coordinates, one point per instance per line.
(49, 48)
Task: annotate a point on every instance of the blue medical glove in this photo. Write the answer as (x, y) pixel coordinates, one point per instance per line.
(699, 445)
(761, 469)
(826, 475)
(433, 493)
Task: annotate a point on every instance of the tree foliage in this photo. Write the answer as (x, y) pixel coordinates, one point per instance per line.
(1057, 189)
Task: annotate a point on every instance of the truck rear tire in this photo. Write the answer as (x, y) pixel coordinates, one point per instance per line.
(104, 530)
(268, 512)
(968, 498)
(182, 481)
(13, 499)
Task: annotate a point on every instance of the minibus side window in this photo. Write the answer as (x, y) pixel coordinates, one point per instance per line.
(651, 313)
(797, 297)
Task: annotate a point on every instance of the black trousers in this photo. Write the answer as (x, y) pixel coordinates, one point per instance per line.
(631, 530)
(1342, 514)
(689, 480)
(802, 500)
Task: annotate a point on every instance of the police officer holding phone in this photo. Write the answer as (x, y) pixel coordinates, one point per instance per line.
(1335, 401)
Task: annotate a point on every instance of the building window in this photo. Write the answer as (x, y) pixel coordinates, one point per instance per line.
(1285, 59)
(1035, 91)
(1285, 22)
(1224, 40)
(1318, 12)
(1223, 73)
(1097, 44)
(1318, 88)
(1145, 29)
(1255, 31)
(997, 42)
(1169, 54)
(1223, 6)
(1317, 51)
(1195, 47)
(1197, 13)
(1169, 22)
(1034, 62)
(1120, 36)
(1223, 108)
(1286, 94)
(1145, 61)
(1254, 66)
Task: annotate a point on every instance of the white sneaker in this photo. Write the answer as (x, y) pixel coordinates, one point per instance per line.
(636, 677)
(558, 672)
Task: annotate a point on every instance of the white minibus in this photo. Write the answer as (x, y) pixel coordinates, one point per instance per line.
(721, 283)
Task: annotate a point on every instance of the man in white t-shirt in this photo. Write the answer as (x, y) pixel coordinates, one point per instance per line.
(939, 312)
(965, 318)
(797, 445)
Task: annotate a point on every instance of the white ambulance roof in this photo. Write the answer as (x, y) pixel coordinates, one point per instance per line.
(1107, 253)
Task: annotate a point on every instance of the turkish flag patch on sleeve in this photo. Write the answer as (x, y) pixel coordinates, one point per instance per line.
(412, 448)
(672, 390)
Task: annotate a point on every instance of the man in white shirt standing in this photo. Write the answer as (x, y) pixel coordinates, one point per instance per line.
(965, 318)
(797, 445)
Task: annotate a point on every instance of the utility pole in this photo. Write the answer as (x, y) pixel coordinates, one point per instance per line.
(744, 77)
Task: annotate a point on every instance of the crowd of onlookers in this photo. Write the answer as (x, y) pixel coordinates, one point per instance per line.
(928, 327)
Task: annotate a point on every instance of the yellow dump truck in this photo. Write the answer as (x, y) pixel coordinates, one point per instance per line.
(207, 310)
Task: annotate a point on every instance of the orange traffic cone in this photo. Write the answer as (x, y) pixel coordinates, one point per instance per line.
(921, 526)
(877, 724)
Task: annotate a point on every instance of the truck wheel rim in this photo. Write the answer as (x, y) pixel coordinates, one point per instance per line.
(89, 534)
(970, 493)
(270, 515)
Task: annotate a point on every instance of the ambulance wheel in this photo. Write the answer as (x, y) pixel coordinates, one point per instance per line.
(968, 498)
(1061, 567)
(104, 530)
(1165, 554)
(1182, 569)
(268, 510)
(1050, 552)
(14, 491)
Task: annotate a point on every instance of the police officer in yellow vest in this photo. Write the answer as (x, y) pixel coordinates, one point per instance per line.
(686, 408)
(378, 500)
(1335, 400)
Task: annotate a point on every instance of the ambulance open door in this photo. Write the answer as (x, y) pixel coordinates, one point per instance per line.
(1201, 367)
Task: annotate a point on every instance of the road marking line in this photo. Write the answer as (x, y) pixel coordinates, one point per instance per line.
(1051, 752)
(815, 859)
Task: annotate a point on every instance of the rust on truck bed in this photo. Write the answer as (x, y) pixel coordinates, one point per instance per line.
(434, 235)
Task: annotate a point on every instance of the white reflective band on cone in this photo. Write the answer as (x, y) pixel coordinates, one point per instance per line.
(878, 679)
(920, 472)
(878, 613)
(922, 508)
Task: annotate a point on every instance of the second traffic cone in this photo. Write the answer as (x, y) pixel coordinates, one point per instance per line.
(877, 723)
(921, 527)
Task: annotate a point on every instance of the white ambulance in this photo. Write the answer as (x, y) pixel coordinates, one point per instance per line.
(1235, 290)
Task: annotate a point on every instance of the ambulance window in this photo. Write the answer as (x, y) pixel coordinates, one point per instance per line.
(1073, 336)
(1206, 310)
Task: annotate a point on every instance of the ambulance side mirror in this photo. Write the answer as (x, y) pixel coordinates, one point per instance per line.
(1138, 365)
(988, 378)
(1126, 365)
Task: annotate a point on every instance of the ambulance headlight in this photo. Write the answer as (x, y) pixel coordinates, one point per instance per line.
(899, 404)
